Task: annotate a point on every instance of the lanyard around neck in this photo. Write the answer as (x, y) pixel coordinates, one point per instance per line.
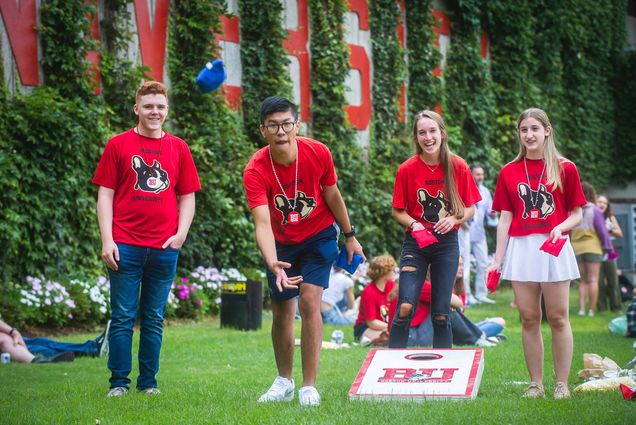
(271, 160)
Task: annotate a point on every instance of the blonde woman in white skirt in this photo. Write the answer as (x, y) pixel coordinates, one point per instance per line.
(539, 196)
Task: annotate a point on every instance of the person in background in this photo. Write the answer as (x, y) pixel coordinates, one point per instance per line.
(591, 242)
(478, 242)
(463, 239)
(631, 319)
(608, 287)
(373, 313)
(45, 350)
(340, 289)
(465, 331)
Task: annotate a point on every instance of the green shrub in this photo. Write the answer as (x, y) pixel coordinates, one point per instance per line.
(48, 154)
(264, 61)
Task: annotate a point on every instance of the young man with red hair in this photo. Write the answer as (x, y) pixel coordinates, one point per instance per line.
(145, 205)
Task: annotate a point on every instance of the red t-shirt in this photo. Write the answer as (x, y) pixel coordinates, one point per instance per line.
(536, 209)
(374, 304)
(423, 194)
(147, 175)
(315, 172)
(423, 307)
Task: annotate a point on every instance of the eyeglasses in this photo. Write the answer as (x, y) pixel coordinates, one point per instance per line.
(286, 126)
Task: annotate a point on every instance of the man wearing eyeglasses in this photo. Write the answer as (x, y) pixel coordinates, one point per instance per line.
(297, 208)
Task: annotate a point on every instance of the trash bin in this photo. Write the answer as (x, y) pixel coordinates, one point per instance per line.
(242, 304)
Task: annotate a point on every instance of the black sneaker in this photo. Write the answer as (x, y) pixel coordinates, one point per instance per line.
(64, 356)
(102, 341)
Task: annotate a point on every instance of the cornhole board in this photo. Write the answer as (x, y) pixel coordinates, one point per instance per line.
(419, 374)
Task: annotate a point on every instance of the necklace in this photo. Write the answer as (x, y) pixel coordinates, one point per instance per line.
(534, 212)
(143, 148)
(432, 170)
(293, 216)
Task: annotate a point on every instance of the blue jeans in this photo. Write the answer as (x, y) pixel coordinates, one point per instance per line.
(490, 328)
(143, 279)
(48, 347)
(335, 317)
(443, 258)
(422, 335)
(465, 332)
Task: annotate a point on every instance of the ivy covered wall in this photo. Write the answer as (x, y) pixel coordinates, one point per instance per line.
(563, 56)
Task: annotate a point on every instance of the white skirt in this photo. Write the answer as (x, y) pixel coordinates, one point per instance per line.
(524, 262)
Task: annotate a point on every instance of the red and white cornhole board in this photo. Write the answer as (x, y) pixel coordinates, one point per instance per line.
(419, 374)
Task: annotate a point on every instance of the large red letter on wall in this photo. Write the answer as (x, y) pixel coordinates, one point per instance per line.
(361, 7)
(402, 39)
(296, 45)
(20, 25)
(360, 115)
(484, 45)
(93, 56)
(442, 27)
(231, 36)
(152, 35)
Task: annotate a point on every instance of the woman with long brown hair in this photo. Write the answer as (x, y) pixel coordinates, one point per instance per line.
(434, 191)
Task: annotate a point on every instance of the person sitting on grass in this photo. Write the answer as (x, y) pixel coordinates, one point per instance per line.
(490, 327)
(45, 350)
(373, 315)
(465, 332)
(339, 292)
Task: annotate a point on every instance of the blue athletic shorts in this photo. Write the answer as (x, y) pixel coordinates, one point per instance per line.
(312, 259)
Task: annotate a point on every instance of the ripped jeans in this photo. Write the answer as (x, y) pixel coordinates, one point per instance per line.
(443, 257)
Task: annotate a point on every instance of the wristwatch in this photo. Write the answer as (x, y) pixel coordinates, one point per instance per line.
(350, 234)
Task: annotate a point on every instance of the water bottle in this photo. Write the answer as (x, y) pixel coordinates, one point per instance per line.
(337, 336)
(5, 358)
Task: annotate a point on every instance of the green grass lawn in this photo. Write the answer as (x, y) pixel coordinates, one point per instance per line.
(214, 376)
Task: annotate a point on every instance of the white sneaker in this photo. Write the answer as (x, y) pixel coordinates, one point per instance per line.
(472, 300)
(365, 340)
(581, 313)
(117, 392)
(308, 396)
(486, 300)
(590, 313)
(150, 391)
(483, 342)
(281, 390)
(102, 341)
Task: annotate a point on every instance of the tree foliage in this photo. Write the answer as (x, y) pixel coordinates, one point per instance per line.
(221, 233)
(263, 60)
(562, 56)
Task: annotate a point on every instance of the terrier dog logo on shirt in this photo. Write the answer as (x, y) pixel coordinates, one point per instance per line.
(434, 208)
(303, 205)
(149, 178)
(536, 203)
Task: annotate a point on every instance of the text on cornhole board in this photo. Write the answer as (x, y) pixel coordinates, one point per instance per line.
(419, 374)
